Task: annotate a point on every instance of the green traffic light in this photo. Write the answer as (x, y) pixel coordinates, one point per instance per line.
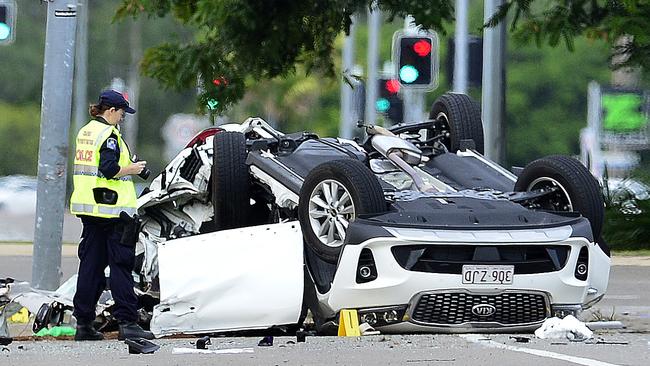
(408, 74)
(5, 31)
(382, 105)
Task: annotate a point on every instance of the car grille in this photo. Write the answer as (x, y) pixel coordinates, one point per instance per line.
(526, 259)
(512, 308)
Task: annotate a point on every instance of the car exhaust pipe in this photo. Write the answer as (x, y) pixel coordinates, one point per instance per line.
(422, 186)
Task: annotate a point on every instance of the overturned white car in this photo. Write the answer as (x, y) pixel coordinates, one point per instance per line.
(413, 228)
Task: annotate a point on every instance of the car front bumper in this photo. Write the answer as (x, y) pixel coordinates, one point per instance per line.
(419, 301)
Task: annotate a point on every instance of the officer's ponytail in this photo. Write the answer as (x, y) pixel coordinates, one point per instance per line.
(97, 109)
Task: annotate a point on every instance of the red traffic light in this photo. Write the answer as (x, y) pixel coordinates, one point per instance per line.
(220, 81)
(392, 86)
(422, 48)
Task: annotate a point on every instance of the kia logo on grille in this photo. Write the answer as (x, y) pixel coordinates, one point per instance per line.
(483, 310)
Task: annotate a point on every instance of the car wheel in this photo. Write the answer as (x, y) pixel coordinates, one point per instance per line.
(459, 117)
(230, 181)
(575, 188)
(334, 194)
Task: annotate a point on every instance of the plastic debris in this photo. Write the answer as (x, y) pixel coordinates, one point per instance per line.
(568, 328)
(56, 332)
(266, 341)
(366, 330)
(184, 351)
(21, 317)
(141, 346)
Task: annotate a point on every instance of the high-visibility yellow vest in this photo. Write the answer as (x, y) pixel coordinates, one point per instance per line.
(88, 180)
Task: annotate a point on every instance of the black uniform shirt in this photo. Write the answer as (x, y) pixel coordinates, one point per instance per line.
(109, 154)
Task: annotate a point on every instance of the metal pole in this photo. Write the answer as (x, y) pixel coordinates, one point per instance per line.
(493, 95)
(594, 117)
(461, 48)
(133, 85)
(413, 99)
(374, 19)
(53, 147)
(347, 122)
(81, 67)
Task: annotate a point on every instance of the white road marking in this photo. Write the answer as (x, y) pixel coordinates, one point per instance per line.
(474, 338)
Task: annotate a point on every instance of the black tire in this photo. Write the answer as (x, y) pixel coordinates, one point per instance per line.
(367, 197)
(575, 181)
(460, 115)
(230, 181)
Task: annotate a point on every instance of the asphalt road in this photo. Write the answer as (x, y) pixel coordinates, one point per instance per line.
(627, 300)
(503, 350)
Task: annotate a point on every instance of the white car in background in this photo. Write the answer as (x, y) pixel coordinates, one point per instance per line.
(17, 194)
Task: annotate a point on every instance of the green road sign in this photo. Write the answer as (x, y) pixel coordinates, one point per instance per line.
(623, 112)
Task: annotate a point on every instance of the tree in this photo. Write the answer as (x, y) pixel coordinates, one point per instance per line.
(242, 40)
(562, 20)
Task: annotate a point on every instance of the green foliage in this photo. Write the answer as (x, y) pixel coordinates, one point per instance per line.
(547, 98)
(555, 21)
(258, 39)
(626, 231)
(20, 126)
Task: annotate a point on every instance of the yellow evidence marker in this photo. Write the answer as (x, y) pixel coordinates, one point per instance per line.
(349, 324)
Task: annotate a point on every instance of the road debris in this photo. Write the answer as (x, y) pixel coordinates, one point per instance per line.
(266, 341)
(520, 339)
(300, 336)
(141, 346)
(367, 330)
(203, 342)
(567, 328)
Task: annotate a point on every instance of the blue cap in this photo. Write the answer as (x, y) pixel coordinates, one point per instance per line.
(115, 99)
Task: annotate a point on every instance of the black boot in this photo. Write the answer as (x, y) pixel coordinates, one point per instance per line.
(86, 332)
(132, 330)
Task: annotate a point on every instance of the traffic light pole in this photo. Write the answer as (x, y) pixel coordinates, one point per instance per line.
(53, 144)
(461, 48)
(347, 123)
(81, 67)
(413, 98)
(493, 93)
(374, 25)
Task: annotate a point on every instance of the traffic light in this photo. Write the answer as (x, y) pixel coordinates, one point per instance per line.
(7, 21)
(388, 100)
(417, 57)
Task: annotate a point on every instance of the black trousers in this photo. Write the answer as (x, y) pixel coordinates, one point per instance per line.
(100, 246)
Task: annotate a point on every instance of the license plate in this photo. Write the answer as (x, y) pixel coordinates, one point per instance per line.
(489, 275)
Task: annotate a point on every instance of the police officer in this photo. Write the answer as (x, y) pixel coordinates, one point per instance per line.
(102, 190)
